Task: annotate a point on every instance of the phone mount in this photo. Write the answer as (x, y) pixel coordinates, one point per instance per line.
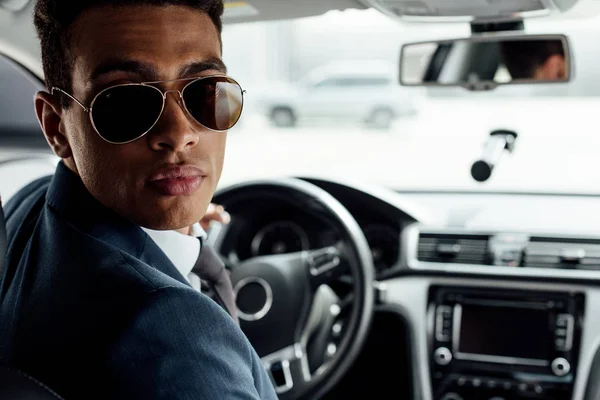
(499, 142)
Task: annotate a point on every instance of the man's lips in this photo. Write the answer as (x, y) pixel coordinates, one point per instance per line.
(177, 180)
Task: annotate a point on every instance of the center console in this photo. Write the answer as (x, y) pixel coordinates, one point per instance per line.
(502, 344)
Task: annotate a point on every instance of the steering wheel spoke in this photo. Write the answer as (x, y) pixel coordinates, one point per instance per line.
(288, 369)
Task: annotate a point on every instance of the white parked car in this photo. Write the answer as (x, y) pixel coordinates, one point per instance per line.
(351, 91)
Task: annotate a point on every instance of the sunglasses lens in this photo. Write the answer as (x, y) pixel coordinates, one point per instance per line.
(124, 113)
(215, 102)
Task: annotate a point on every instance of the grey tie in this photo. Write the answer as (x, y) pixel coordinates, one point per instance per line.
(211, 269)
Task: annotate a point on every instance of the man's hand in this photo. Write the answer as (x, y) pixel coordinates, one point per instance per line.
(215, 212)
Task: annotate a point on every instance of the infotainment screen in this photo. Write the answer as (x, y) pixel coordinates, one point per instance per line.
(497, 333)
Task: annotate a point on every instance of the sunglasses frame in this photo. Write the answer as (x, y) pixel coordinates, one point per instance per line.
(163, 94)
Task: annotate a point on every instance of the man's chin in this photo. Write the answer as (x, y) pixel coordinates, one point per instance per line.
(162, 213)
(170, 223)
(166, 220)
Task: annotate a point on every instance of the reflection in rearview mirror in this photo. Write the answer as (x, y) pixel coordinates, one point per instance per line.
(482, 63)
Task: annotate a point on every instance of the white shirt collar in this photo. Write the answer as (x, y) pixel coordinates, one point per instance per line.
(182, 250)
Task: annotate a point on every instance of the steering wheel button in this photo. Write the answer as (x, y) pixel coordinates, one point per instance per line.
(331, 349)
(278, 374)
(337, 329)
(538, 389)
(335, 310)
(523, 387)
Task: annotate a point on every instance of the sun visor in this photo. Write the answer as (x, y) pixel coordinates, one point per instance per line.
(239, 9)
(13, 5)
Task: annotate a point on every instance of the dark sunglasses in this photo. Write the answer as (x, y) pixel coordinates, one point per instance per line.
(124, 113)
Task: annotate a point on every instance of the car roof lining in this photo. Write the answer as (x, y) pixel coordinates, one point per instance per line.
(18, 39)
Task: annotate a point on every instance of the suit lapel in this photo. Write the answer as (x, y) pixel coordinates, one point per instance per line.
(68, 196)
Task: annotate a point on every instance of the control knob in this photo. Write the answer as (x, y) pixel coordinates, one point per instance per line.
(560, 367)
(442, 356)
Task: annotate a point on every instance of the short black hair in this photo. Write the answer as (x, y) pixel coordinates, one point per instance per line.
(523, 57)
(53, 19)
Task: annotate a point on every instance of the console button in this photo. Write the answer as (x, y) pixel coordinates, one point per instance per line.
(560, 367)
(443, 323)
(462, 381)
(561, 332)
(476, 382)
(564, 332)
(442, 356)
(563, 320)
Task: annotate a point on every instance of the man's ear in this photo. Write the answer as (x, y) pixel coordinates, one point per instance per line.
(49, 114)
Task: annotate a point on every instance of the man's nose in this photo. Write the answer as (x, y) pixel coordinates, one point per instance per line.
(174, 130)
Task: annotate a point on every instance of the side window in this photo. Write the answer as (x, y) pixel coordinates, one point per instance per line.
(19, 127)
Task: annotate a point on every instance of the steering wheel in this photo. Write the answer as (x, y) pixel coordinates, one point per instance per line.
(286, 305)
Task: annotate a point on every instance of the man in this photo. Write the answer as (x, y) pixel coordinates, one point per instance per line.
(138, 105)
(535, 59)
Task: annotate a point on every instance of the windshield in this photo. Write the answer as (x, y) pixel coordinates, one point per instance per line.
(323, 100)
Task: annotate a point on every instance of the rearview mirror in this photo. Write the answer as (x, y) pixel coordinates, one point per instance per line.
(484, 62)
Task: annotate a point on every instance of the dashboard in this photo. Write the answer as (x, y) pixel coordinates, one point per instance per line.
(270, 225)
(552, 232)
(525, 255)
(440, 259)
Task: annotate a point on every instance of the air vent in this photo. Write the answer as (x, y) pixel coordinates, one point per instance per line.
(453, 248)
(562, 253)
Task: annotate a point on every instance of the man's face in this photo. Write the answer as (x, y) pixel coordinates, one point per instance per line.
(553, 69)
(113, 45)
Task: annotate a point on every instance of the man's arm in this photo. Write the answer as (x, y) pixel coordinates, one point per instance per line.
(182, 345)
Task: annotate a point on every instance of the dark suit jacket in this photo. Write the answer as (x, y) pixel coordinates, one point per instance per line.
(92, 307)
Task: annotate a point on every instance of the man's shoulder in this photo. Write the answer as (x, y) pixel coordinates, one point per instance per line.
(149, 277)
(26, 197)
(104, 264)
(83, 261)
(208, 354)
